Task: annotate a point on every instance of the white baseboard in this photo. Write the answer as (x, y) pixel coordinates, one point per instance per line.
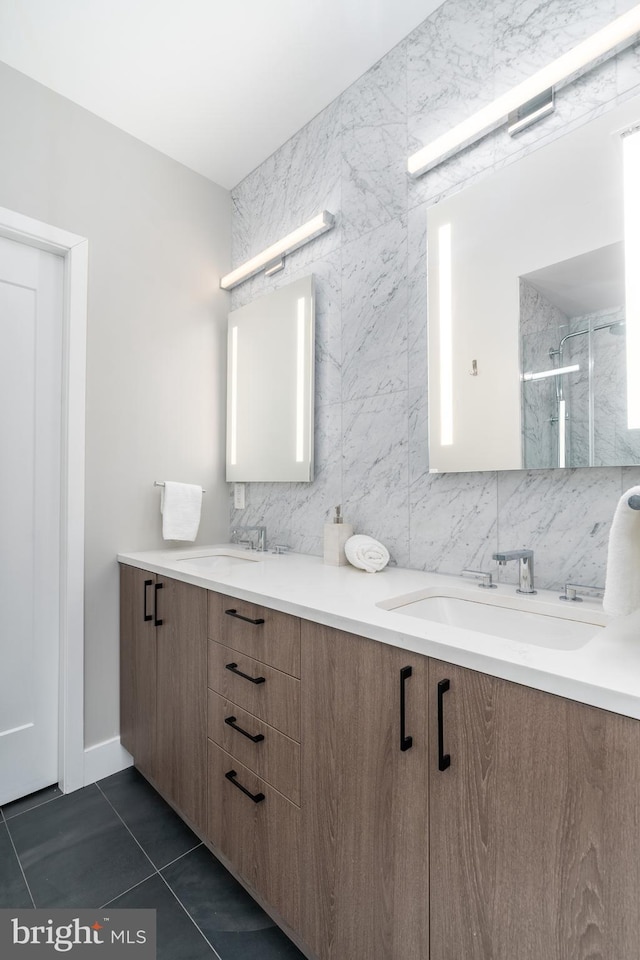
(105, 758)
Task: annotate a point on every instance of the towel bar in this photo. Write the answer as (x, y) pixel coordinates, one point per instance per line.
(160, 483)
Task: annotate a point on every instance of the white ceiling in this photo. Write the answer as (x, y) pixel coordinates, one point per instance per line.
(215, 84)
(589, 283)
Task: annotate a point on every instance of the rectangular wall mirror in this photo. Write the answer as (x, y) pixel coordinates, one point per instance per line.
(270, 398)
(527, 276)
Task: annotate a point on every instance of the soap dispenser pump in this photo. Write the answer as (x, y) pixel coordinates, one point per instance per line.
(336, 535)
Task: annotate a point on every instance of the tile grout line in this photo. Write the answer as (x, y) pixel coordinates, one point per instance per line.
(24, 876)
(175, 860)
(155, 869)
(205, 938)
(128, 890)
(157, 873)
(36, 806)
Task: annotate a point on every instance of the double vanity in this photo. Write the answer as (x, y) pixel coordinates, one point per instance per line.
(398, 766)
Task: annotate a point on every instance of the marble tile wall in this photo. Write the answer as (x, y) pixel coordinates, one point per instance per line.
(371, 338)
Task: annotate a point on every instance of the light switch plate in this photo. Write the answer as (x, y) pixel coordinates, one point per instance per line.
(238, 496)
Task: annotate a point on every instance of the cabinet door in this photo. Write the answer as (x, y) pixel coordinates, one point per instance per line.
(138, 667)
(365, 874)
(535, 846)
(181, 744)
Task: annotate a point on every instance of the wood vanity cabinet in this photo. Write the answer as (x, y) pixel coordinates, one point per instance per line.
(163, 636)
(138, 667)
(365, 868)
(535, 825)
(509, 829)
(254, 749)
(384, 805)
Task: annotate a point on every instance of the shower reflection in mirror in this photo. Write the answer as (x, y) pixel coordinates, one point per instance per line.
(532, 285)
(575, 414)
(573, 411)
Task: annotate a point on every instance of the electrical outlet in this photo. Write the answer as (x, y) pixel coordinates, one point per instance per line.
(238, 496)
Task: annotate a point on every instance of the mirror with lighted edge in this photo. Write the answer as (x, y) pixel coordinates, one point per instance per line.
(527, 277)
(270, 386)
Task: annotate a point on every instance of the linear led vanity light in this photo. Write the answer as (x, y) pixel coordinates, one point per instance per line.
(445, 283)
(556, 372)
(234, 396)
(631, 161)
(308, 231)
(300, 358)
(611, 38)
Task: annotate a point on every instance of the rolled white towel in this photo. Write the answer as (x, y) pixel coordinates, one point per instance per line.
(366, 553)
(622, 585)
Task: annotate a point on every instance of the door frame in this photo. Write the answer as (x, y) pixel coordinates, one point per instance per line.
(74, 251)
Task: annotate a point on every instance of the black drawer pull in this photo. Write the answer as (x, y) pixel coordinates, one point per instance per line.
(147, 616)
(234, 669)
(444, 760)
(238, 616)
(157, 622)
(405, 741)
(256, 797)
(254, 739)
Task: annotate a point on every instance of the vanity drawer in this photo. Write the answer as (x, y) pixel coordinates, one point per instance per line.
(275, 758)
(274, 699)
(258, 834)
(275, 640)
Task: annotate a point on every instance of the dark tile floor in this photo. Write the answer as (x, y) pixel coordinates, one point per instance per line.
(117, 842)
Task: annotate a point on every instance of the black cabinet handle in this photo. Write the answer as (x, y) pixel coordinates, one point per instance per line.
(234, 669)
(238, 616)
(254, 738)
(156, 621)
(256, 797)
(147, 616)
(444, 760)
(405, 741)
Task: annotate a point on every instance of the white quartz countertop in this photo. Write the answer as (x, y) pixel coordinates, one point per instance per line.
(605, 672)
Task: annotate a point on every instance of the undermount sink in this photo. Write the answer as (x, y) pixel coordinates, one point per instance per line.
(522, 619)
(218, 560)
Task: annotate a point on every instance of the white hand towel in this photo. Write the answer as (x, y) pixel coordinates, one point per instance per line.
(622, 586)
(366, 553)
(180, 505)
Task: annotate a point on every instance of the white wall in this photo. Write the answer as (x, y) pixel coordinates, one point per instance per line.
(159, 239)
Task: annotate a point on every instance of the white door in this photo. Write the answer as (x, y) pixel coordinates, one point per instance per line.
(31, 303)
